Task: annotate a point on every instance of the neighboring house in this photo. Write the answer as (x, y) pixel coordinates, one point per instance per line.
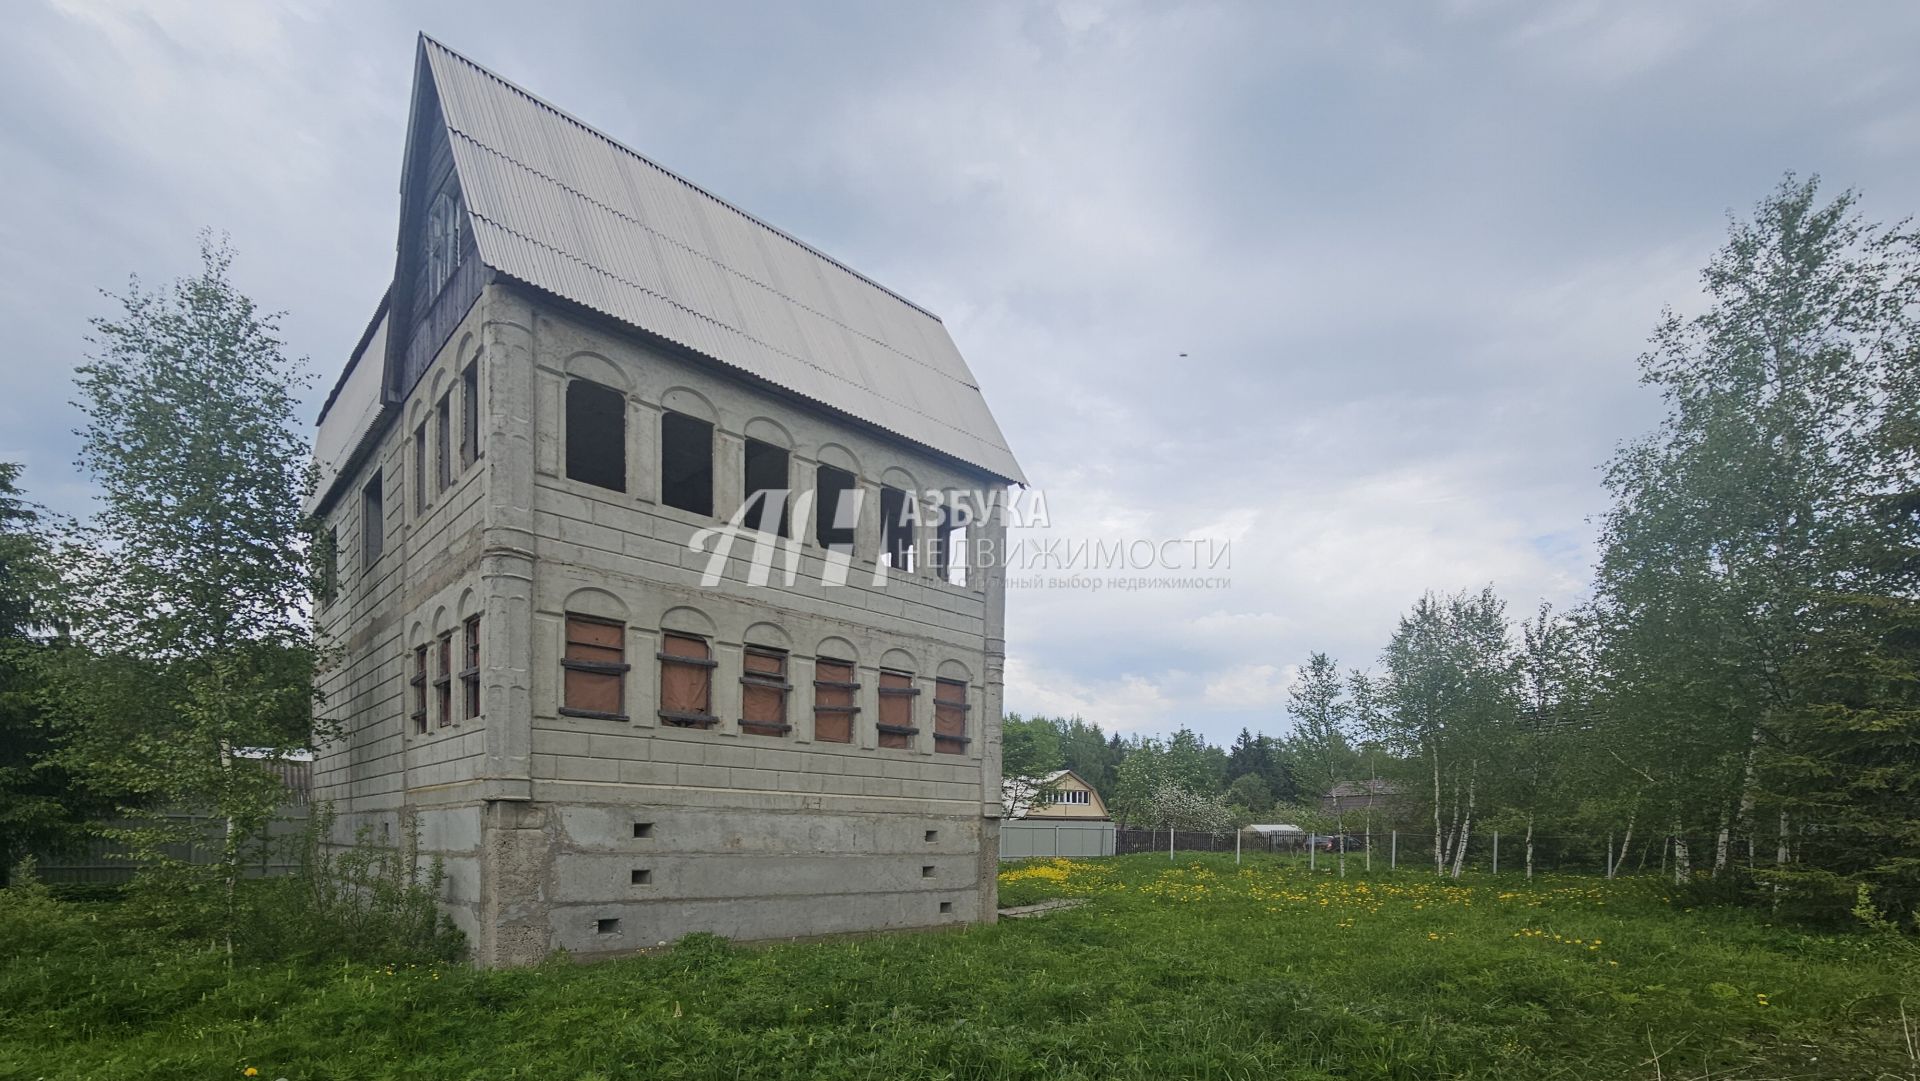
(1060, 794)
(588, 377)
(1372, 794)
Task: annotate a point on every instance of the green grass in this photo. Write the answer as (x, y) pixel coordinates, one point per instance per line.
(1192, 969)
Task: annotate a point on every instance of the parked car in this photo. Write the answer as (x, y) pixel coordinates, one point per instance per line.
(1331, 843)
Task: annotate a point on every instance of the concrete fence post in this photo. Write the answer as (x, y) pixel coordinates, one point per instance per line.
(1393, 851)
(1496, 852)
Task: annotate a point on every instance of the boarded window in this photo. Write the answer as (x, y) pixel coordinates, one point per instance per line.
(833, 708)
(443, 445)
(838, 508)
(443, 682)
(470, 673)
(896, 710)
(470, 413)
(373, 523)
(686, 681)
(596, 435)
(686, 463)
(950, 716)
(419, 682)
(594, 669)
(420, 469)
(767, 486)
(898, 517)
(763, 692)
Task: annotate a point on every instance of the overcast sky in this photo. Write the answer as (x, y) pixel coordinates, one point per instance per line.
(1409, 256)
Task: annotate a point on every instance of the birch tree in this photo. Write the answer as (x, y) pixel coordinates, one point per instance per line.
(1317, 703)
(194, 589)
(1747, 502)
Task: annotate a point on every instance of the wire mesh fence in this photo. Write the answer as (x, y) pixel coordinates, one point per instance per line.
(1487, 852)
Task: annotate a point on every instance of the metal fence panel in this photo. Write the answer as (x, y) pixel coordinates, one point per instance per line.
(1029, 838)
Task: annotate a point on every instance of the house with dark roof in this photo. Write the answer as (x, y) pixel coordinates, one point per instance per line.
(656, 547)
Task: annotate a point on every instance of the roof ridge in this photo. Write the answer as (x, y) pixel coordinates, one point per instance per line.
(625, 149)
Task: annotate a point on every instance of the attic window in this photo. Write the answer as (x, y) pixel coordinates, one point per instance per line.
(686, 463)
(596, 435)
(767, 487)
(443, 240)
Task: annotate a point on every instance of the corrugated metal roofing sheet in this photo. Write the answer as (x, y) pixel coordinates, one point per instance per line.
(562, 207)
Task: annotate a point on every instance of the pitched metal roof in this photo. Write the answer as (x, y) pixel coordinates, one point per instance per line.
(564, 208)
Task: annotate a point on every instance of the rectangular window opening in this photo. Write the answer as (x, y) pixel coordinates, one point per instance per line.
(642, 876)
(836, 509)
(594, 669)
(419, 682)
(926, 871)
(833, 708)
(420, 469)
(686, 681)
(952, 545)
(607, 927)
(643, 829)
(330, 566)
(932, 836)
(686, 463)
(470, 673)
(769, 488)
(443, 682)
(373, 523)
(763, 692)
(899, 517)
(443, 443)
(596, 435)
(946, 907)
(470, 413)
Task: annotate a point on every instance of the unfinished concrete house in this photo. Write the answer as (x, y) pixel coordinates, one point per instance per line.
(652, 597)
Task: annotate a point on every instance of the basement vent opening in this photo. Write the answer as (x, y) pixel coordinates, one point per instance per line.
(946, 907)
(642, 876)
(927, 871)
(643, 829)
(607, 927)
(932, 836)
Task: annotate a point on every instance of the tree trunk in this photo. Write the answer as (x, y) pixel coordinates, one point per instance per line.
(1781, 854)
(1529, 846)
(1433, 752)
(1682, 861)
(1466, 824)
(1613, 866)
(1733, 818)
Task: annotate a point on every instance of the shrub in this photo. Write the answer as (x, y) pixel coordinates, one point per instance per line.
(369, 902)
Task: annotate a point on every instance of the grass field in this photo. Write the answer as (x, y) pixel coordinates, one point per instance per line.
(1194, 969)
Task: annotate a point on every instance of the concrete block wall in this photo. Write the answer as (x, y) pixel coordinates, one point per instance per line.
(532, 811)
